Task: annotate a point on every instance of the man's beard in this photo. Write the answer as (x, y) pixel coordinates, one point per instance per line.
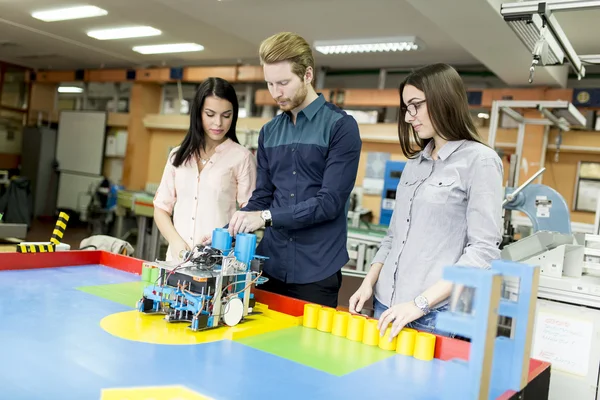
(298, 99)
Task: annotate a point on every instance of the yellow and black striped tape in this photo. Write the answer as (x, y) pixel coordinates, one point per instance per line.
(59, 229)
(36, 248)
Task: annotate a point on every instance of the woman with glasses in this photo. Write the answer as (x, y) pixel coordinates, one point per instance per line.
(448, 207)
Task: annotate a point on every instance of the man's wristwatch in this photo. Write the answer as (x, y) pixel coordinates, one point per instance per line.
(266, 216)
(423, 304)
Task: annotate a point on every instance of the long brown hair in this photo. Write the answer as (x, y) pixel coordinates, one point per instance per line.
(195, 139)
(447, 106)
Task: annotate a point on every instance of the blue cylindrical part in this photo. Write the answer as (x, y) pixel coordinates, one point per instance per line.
(245, 246)
(221, 240)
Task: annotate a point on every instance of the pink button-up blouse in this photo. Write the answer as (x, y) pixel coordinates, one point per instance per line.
(201, 202)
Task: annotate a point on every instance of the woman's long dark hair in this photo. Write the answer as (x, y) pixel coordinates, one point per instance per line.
(447, 106)
(196, 137)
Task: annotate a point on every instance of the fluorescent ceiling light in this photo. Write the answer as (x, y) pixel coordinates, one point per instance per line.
(483, 115)
(70, 89)
(373, 45)
(62, 14)
(168, 48)
(124, 33)
(590, 58)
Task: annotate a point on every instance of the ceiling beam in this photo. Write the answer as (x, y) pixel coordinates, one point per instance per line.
(480, 29)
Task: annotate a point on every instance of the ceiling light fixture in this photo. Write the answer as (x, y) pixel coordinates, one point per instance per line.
(124, 33)
(168, 48)
(536, 25)
(373, 45)
(70, 89)
(62, 14)
(591, 58)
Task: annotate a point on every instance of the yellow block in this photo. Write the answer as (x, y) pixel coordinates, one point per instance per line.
(311, 315)
(154, 393)
(384, 341)
(340, 323)
(371, 333)
(424, 346)
(356, 325)
(405, 343)
(325, 319)
(152, 328)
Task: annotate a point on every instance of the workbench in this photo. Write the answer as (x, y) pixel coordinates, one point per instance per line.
(362, 245)
(141, 206)
(70, 330)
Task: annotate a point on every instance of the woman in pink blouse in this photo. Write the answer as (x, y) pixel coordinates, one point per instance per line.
(207, 174)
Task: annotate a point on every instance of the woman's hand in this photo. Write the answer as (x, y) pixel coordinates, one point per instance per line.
(206, 240)
(177, 248)
(398, 315)
(358, 299)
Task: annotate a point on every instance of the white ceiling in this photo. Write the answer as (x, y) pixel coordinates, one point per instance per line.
(231, 31)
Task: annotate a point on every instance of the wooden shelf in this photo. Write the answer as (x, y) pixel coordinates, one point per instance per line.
(167, 122)
(105, 75)
(370, 97)
(55, 76)
(250, 73)
(118, 120)
(155, 75)
(198, 74)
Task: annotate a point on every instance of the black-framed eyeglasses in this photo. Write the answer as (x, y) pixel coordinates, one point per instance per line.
(412, 108)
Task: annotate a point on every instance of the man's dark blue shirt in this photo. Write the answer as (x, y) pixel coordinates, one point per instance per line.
(306, 173)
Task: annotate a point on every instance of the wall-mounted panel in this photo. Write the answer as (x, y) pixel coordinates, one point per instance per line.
(586, 97)
(474, 97)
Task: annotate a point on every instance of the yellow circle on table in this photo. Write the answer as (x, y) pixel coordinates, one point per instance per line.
(153, 328)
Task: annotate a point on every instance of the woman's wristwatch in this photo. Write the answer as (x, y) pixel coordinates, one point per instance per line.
(423, 304)
(266, 216)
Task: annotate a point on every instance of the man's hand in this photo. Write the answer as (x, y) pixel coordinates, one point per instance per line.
(245, 222)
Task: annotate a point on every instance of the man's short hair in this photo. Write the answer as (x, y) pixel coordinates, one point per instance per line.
(287, 46)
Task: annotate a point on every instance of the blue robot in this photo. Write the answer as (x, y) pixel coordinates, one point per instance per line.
(211, 287)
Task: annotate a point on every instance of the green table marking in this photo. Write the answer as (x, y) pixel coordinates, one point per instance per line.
(320, 350)
(128, 293)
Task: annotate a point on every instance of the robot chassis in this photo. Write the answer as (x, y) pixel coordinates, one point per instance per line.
(211, 287)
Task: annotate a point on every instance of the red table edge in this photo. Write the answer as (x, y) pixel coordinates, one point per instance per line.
(445, 348)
